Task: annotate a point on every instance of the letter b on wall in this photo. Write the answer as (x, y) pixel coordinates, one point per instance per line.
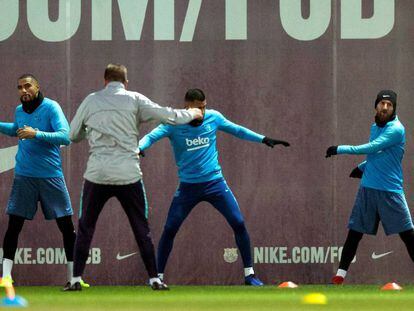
(353, 26)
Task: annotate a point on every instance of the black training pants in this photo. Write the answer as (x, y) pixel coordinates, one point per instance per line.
(133, 201)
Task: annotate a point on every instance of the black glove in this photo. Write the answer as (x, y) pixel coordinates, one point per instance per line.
(141, 153)
(356, 173)
(332, 150)
(272, 142)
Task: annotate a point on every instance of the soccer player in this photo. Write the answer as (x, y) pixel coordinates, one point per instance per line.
(201, 178)
(41, 128)
(110, 119)
(381, 195)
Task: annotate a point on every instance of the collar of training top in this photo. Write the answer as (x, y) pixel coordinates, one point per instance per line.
(115, 84)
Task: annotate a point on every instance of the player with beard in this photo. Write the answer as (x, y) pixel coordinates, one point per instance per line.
(201, 178)
(381, 194)
(41, 128)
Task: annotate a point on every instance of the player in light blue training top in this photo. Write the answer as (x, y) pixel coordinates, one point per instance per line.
(381, 194)
(201, 178)
(41, 128)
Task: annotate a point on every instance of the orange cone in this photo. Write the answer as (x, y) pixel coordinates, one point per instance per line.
(288, 285)
(391, 286)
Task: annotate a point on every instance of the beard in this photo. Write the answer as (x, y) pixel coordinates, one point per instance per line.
(26, 98)
(30, 103)
(381, 118)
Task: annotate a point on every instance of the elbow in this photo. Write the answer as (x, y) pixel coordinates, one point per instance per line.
(74, 139)
(66, 141)
(372, 150)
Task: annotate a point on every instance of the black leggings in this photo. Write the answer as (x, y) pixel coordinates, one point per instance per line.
(408, 239)
(132, 199)
(349, 249)
(15, 226)
(67, 229)
(12, 236)
(352, 241)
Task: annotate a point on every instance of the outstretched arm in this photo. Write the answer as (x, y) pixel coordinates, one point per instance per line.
(244, 133)
(390, 137)
(8, 129)
(155, 135)
(238, 130)
(149, 110)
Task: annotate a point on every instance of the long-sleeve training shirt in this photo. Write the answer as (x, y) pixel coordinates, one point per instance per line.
(385, 150)
(110, 119)
(40, 156)
(195, 148)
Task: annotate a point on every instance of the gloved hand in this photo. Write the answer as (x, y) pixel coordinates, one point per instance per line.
(141, 153)
(356, 173)
(272, 142)
(332, 150)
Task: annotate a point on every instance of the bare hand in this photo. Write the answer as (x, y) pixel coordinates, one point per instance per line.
(198, 114)
(27, 132)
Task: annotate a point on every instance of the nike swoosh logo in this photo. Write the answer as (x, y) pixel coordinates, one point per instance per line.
(122, 257)
(375, 256)
(7, 158)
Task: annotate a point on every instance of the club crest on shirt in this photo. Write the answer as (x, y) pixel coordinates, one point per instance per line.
(230, 255)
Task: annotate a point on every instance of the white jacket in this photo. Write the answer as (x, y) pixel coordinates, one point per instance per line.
(110, 119)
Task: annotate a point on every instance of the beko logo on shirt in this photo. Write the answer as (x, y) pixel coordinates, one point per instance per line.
(197, 143)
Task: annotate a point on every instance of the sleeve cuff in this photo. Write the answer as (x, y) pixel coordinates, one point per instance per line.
(341, 150)
(38, 134)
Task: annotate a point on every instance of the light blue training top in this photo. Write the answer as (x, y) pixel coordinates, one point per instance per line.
(40, 157)
(195, 148)
(385, 150)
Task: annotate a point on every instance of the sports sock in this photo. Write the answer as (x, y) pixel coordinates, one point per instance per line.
(161, 276)
(341, 273)
(7, 267)
(70, 270)
(248, 271)
(349, 249)
(155, 280)
(73, 280)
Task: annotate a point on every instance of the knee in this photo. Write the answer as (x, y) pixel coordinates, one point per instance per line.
(170, 230)
(355, 236)
(407, 236)
(85, 230)
(12, 230)
(15, 225)
(65, 225)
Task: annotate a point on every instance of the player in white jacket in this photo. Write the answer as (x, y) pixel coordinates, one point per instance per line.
(110, 119)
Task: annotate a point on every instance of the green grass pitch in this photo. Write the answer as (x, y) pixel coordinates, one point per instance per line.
(215, 298)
